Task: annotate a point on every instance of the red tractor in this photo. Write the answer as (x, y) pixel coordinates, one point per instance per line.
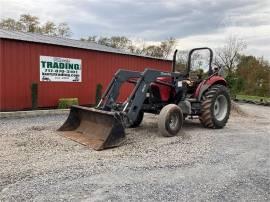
(172, 95)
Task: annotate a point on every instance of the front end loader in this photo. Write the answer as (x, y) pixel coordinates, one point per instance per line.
(171, 95)
(96, 128)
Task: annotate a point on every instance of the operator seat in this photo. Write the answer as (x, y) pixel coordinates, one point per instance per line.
(192, 82)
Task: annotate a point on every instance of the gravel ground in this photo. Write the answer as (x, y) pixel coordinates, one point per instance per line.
(199, 164)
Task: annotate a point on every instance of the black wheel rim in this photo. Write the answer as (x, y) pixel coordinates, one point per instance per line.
(174, 121)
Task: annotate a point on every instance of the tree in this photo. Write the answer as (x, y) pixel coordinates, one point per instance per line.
(49, 28)
(90, 39)
(168, 47)
(8, 23)
(29, 23)
(153, 51)
(63, 30)
(254, 74)
(121, 42)
(228, 55)
(163, 50)
(104, 41)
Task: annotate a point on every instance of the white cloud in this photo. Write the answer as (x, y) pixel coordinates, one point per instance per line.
(257, 39)
(194, 23)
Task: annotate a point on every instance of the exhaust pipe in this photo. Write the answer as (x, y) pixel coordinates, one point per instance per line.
(174, 60)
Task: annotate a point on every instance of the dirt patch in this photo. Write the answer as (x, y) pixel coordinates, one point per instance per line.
(237, 110)
(232, 164)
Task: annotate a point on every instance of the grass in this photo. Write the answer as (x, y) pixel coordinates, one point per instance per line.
(253, 98)
(65, 103)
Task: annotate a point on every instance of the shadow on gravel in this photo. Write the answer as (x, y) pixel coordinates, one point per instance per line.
(36, 128)
(151, 127)
(192, 124)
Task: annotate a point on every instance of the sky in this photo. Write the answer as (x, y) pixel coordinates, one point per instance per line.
(193, 23)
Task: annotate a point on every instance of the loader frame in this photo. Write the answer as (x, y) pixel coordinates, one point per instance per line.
(142, 80)
(135, 101)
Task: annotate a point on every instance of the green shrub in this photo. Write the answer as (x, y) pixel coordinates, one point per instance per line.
(236, 84)
(64, 103)
(34, 95)
(98, 92)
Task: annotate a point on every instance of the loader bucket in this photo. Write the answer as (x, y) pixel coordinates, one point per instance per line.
(95, 128)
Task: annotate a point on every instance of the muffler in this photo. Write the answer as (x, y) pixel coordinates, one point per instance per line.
(95, 128)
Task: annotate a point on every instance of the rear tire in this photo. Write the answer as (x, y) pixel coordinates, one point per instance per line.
(170, 120)
(216, 107)
(138, 120)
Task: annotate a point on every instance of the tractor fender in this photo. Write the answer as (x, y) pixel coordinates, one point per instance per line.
(205, 84)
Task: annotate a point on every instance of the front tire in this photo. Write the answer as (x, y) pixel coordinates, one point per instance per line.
(170, 120)
(138, 120)
(216, 107)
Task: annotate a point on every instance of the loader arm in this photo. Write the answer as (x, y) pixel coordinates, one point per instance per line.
(112, 92)
(134, 102)
(136, 99)
(103, 126)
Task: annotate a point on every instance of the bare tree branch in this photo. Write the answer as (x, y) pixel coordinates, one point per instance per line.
(227, 56)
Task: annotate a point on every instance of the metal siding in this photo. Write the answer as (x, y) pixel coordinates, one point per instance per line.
(20, 68)
(60, 41)
(1, 73)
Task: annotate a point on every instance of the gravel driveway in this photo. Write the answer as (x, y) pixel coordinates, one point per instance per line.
(199, 164)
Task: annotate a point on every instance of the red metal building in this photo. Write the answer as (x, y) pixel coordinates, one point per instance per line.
(21, 65)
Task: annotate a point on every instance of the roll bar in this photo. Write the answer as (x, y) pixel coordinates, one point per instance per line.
(210, 71)
(189, 59)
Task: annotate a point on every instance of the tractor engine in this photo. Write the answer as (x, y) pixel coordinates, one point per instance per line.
(162, 89)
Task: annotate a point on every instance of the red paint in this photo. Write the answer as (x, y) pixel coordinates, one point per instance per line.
(216, 80)
(165, 79)
(19, 67)
(211, 81)
(164, 90)
(197, 92)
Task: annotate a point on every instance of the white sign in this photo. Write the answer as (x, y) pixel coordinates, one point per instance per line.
(60, 69)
